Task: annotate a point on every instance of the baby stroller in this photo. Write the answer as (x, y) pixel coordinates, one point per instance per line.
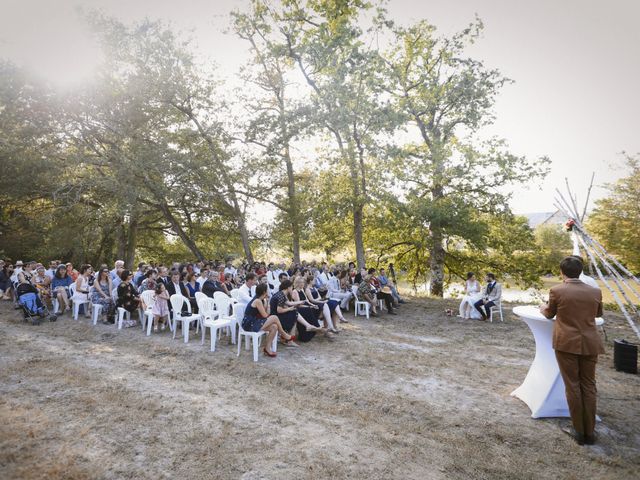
(32, 305)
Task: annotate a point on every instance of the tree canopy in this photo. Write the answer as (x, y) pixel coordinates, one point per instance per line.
(352, 136)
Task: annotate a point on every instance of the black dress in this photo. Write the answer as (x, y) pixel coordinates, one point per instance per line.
(310, 315)
(287, 319)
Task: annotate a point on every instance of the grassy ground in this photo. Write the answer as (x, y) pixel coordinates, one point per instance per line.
(416, 396)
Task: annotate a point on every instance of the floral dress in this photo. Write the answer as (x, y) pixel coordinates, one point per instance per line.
(108, 305)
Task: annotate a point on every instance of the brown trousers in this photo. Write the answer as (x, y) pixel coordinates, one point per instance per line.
(579, 375)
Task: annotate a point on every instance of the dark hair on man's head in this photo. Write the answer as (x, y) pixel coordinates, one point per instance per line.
(250, 276)
(491, 276)
(141, 264)
(371, 271)
(261, 289)
(571, 266)
(282, 275)
(469, 275)
(285, 284)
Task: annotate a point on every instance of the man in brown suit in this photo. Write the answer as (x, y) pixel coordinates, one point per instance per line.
(577, 344)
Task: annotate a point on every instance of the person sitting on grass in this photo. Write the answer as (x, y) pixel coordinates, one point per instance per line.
(160, 308)
(257, 319)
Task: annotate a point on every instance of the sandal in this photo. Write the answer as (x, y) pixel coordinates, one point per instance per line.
(269, 354)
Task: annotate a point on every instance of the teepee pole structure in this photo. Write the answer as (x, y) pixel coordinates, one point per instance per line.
(598, 257)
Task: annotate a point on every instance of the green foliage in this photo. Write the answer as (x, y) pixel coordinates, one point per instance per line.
(615, 220)
(555, 244)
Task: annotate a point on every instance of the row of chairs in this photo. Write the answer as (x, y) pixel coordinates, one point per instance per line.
(218, 314)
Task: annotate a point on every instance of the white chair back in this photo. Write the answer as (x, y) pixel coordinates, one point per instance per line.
(148, 299)
(199, 296)
(114, 294)
(177, 302)
(222, 304)
(234, 293)
(72, 289)
(206, 307)
(238, 313)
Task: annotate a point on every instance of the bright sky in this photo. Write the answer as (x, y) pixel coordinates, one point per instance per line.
(576, 64)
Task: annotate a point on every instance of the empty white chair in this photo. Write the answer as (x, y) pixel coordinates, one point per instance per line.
(177, 302)
(76, 303)
(210, 320)
(223, 305)
(148, 298)
(361, 307)
(256, 337)
(498, 307)
(200, 296)
(234, 294)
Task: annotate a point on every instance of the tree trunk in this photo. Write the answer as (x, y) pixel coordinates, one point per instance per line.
(175, 225)
(121, 239)
(294, 208)
(357, 233)
(436, 263)
(132, 242)
(244, 236)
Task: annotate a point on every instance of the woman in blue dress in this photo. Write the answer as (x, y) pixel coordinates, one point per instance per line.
(257, 319)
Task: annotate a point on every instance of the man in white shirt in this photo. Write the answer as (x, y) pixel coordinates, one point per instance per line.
(246, 291)
(272, 278)
(229, 269)
(53, 264)
(335, 292)
(204, 276)
(325, 276)
(18, 269)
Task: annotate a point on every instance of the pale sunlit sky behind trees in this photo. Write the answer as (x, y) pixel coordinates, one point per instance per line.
(576, 66)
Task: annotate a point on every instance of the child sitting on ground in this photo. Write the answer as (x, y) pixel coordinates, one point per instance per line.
(160, 307)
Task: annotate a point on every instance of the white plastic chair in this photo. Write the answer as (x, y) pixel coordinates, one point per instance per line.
(177, 302)
(75, 302)
(256, 337)
(148, 298)
(96, 309)
(498, 307)
(234, 294)
(56, 305)
(200, 296)
(361, 307)
(223, 305)
(209, 319)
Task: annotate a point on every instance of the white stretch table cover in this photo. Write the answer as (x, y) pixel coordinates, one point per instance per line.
(543, 388)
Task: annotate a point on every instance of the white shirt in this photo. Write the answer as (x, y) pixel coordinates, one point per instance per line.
(334, 284)
(324, 278)
(50, 273)
(230, 270)
(244, 294)
(201, 281)
(272, 277)
(16, 272)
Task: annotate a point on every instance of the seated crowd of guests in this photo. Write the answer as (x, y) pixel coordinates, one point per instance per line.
(298, 302)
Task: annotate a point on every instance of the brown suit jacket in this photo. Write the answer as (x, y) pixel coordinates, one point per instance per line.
(575, 306)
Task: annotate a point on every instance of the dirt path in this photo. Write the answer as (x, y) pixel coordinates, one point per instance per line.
(417, 396)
